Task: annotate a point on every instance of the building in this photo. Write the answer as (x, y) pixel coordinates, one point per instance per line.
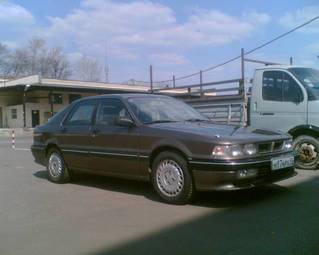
(30, 101)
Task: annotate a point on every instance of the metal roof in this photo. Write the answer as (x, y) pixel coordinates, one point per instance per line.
(45, 83)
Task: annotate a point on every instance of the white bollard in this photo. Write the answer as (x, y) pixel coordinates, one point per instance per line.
(13, 139)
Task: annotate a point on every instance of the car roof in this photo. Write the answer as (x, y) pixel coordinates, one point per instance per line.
(124, 96)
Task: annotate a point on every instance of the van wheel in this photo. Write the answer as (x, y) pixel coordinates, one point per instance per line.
(56, 167)
(171, 178)
(307, 149)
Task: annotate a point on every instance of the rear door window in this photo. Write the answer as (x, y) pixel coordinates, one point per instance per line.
(110, 110)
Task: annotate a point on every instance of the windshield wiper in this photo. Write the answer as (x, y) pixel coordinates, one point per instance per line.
(159, 121)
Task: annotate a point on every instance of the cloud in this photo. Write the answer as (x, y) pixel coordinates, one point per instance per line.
(14, 14)
(293, 19)
(168, 58)
(131, 29)
(313, 48)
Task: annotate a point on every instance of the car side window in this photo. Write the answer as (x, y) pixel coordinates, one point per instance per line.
(109, 111)
(280, 86)
(82, 113)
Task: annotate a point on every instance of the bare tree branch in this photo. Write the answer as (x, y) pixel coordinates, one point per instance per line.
(88, 69)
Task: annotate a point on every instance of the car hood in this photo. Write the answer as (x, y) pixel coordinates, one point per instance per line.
(223, 133)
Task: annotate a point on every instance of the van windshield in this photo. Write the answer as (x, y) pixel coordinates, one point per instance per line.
(309, 78)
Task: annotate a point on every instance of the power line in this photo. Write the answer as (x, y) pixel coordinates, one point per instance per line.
(238, 57)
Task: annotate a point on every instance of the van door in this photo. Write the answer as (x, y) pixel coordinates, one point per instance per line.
(278, 102)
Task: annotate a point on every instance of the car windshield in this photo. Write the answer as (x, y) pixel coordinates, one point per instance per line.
(58, 116)
(163, 109)
(309, 78)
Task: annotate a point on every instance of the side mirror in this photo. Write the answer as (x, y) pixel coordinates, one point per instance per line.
(297, 100)
(125, 122)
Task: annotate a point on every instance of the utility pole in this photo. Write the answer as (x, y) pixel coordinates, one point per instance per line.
(291, 61)
(242, 84)
(106, 65)
(24, 101)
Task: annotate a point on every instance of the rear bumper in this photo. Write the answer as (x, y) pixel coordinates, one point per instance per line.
(224, 175)
(38, 153)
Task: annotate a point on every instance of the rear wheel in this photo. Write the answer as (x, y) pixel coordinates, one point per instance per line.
(56, 167)
(171, 178)
(307, 149)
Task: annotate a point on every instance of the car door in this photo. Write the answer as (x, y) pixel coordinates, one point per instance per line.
(116, 147)
(75, 137)
(281, 103)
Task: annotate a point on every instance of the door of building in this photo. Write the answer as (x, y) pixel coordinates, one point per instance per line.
(35, 118)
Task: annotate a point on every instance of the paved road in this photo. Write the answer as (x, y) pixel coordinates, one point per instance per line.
(98, 215)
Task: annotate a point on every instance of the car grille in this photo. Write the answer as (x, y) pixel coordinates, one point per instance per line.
(270, 147)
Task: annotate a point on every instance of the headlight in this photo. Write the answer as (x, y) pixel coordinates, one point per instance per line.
(288, 145)
(250, 149)
(234, 151)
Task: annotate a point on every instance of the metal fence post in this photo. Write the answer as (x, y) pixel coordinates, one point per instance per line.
(242, 90)
(151, 78)
(229, 114)
(201, 82)
(174, 82)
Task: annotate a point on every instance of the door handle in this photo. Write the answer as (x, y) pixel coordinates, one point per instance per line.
(267, 113)
(95, 132)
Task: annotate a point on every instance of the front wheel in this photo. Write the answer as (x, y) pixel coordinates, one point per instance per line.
(171, 178)
(307, 149)
(56, 167)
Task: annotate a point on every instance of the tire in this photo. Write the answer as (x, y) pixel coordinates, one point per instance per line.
(307, 149)
(56, 167)
(171, 178)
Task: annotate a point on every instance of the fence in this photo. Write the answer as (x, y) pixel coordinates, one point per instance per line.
(222, 101)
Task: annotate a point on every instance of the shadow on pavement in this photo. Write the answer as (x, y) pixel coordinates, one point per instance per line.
(204, 199)
(286, 222)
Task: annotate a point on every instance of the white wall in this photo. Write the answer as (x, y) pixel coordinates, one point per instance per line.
(14, 123)
(42, 106)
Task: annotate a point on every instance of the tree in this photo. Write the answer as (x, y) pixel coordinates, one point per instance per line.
(37, 55)
(56, 65)
(35, 58)
(88, 69)
(18, 64)
(4, 58)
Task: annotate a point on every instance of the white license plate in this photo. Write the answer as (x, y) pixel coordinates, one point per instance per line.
(279, 163)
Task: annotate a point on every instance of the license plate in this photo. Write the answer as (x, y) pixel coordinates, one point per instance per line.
(279, 163)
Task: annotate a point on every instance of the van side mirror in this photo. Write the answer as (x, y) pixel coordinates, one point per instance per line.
(297, 100)
(125, 122)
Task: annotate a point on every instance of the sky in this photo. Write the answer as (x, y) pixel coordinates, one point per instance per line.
(177, 37)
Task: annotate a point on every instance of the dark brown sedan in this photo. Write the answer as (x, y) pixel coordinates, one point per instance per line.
(158, 138)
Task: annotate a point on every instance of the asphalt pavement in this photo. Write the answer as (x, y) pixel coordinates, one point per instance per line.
(99, 215)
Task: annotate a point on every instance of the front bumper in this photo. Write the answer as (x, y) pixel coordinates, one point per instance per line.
(220, 175)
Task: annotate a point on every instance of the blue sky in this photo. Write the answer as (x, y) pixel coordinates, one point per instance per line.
(177, 37)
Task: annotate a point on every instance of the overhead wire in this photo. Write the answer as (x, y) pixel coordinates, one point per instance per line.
(239, 56)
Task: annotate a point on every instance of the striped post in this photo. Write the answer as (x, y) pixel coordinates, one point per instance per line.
(13, 139)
